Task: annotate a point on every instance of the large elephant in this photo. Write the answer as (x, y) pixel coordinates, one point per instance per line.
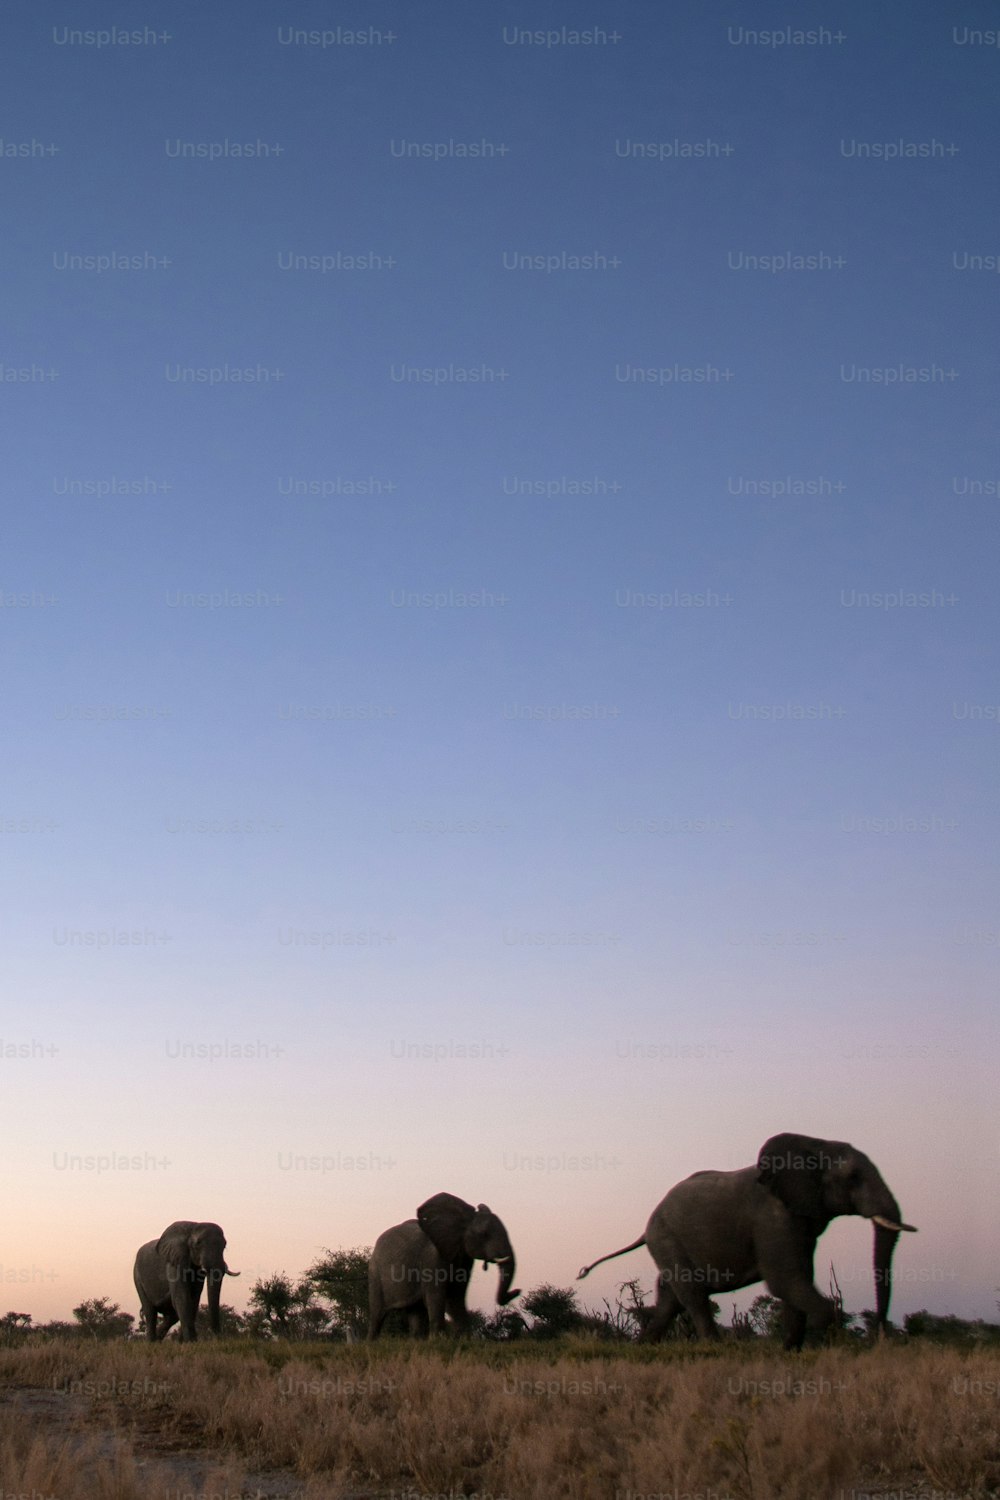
(423, 1265)
(170, 1272)
(719, 1231)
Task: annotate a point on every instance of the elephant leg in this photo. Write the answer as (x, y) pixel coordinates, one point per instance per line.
(435, 1303)
(681, 1285)
(667, 1307)
(793, 1323)
(167, 1321)
(377, 1310)
(149, 1321)
(457, 1313)
(695, 1301)
(802, 1305)
(375, 1321)
(185, 1315)
(416, 1320)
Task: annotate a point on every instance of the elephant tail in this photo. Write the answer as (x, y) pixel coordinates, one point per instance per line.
(624, 1251)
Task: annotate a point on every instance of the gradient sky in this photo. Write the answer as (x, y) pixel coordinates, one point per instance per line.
(636, 736)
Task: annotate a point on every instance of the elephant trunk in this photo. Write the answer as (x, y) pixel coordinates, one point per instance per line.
(888, 1225)
(507, 1266)
(874, 1200)
(885, 1244)
(214, 1295)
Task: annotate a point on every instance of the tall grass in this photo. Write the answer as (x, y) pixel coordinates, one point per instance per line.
(572, 1422)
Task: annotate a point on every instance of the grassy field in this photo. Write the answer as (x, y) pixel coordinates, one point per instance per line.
(120, 1421)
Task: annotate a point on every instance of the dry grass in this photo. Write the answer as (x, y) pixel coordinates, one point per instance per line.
(573, 1423)
(44, 1456)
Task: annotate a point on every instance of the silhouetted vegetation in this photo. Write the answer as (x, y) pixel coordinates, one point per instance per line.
(947, 1329)
(340, 1277)
(100, 1318)
(330, 1301)
(554, 1310)
(283, 1309)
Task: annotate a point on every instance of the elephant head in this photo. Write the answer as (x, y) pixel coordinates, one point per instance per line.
(819, 1180)
(194, 1252)
(462, 1234)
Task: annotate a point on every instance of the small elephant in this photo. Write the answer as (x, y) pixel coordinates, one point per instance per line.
(423, 1266)
(170, 1272)
(720, 1231)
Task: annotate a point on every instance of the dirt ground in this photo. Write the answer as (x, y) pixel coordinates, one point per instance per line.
(99, 1448)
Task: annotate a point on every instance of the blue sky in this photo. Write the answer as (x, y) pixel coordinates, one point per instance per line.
(627, 682)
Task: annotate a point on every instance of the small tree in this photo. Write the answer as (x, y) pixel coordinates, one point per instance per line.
(57, 1329)
(946, 1328)
(100, 1318)
(502, 1326)
(341, 1278)
(283, 1310)
(554, 1310)
(13, 1327)
(764, 1317)
(630, 1314)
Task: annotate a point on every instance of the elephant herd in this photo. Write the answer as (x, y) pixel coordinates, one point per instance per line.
(714, 1232)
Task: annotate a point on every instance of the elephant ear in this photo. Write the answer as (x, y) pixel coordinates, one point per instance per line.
(174, 1243)
(444, 1219)
(792, 1167)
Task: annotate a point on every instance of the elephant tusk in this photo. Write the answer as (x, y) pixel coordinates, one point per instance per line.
(503, 1259)
(885, 1223)
(233, 1273)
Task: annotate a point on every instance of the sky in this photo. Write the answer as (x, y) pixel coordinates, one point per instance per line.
(499, 629)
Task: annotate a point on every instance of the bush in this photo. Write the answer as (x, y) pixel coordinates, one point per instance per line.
(100, 1318)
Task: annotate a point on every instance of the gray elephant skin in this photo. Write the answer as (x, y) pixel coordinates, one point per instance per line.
(422, 1266)
(170, 1272)
(720, 1231)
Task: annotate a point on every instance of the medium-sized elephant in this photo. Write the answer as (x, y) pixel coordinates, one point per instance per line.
(720, 1231)
(423, 1265)
(170, 1272)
